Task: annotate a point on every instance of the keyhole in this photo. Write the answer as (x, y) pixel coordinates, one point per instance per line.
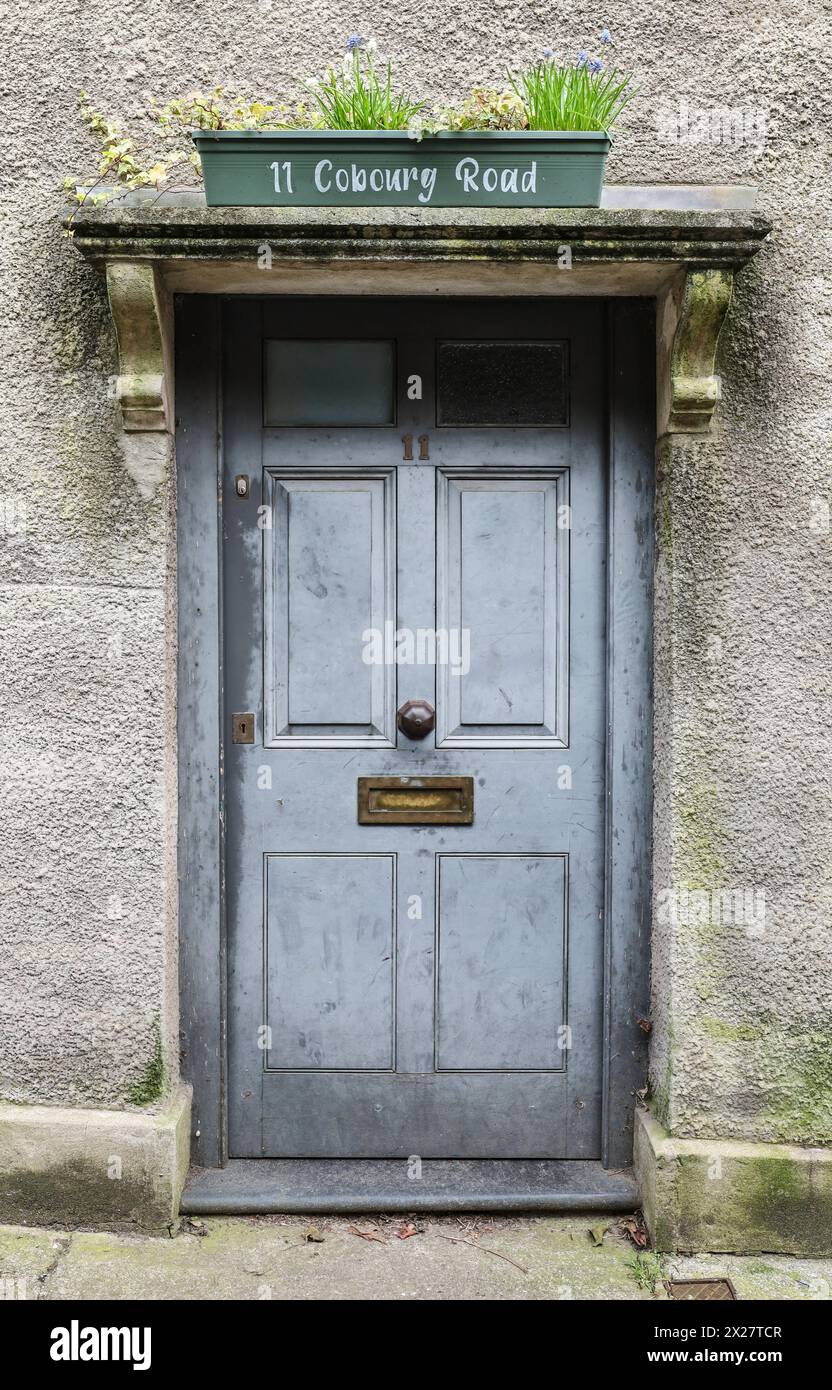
(407, 441)
(243, 728)
(424, 452)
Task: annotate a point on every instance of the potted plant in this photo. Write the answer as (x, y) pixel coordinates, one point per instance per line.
(541, 143)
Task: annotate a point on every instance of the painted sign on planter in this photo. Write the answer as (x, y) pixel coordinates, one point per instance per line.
(471, 177)
(346, 168)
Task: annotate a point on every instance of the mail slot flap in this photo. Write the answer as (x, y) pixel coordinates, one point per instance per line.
(415, 800)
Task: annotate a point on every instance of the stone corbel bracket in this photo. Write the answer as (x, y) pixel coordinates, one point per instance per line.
(695, 388)
(139, 307)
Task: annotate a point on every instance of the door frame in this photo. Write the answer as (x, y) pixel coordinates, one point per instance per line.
(631, 435)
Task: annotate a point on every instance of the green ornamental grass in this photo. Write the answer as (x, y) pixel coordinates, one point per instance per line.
(357, 99)
(583, 96)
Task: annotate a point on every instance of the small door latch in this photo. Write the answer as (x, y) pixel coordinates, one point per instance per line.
(241, 485)
(242, 728)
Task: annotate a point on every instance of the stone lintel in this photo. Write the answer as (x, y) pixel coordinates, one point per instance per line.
(684, 256)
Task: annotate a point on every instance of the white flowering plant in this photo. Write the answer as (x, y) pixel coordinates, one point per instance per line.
(356, 97)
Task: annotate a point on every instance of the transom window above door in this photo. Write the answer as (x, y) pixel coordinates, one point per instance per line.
(329, 382)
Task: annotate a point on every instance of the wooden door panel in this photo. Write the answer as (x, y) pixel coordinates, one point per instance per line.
(500, 962)
(503, 582)
(330, 962)
(329, 571)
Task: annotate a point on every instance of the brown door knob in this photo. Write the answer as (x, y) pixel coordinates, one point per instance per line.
(416, 718)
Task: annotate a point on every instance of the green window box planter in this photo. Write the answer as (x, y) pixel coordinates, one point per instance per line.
(386, 168)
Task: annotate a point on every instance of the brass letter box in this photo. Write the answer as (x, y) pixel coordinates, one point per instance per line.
(415, 801)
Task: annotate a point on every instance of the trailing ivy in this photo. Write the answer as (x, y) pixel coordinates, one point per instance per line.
(128, 162)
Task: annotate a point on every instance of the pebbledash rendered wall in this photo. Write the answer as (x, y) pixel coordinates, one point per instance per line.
(742, 1001)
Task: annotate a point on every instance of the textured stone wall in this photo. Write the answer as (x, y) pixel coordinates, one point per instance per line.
(741, 1039)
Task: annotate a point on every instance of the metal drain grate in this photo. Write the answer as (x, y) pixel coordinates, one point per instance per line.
(701, 1290)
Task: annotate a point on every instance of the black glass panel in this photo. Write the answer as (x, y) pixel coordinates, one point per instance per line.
(502, 383)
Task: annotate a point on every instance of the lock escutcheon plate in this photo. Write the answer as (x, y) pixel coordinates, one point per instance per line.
(242, 727)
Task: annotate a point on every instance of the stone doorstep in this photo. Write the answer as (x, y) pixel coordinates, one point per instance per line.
(72, 1167)
(356, 1185)
(733, 1196)
(125, 1170)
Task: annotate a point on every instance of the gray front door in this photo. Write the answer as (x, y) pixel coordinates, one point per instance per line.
(414, 510)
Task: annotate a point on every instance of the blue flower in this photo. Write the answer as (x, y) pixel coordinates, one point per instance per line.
(354, 41)
(596, 65)
(548, 53)
(606, 36)
(582, 58)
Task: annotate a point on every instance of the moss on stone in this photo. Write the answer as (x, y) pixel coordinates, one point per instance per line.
(32, 1196)
(666, 527)
(660, 1093)
(700, 867)
(664, 508)
(699, 836)
(721, 1031)
(727, 1207)
(802, 1076)
(777, 1200)
(743, 1197)
(151, 1084)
